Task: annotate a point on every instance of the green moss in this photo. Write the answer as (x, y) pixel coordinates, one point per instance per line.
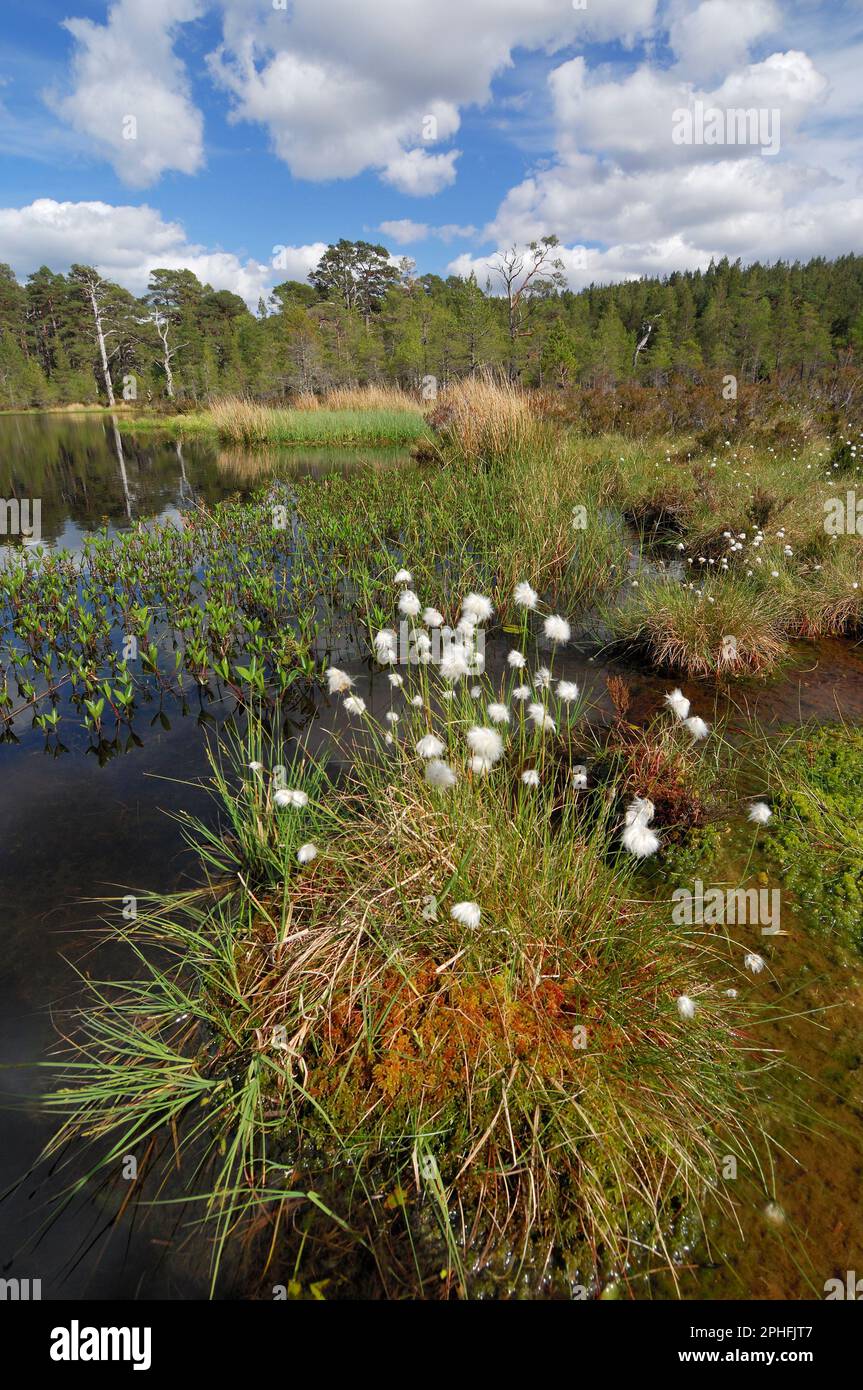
(696, 854)
(815, 836)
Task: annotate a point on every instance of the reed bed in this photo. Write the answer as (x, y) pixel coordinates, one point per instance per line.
(238, 420)
(245, 422)
(386, 398)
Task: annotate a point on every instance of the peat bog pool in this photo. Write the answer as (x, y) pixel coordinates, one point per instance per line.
(76, 828)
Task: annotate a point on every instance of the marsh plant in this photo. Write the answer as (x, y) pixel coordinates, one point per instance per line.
(418, 1016)
(246, 601)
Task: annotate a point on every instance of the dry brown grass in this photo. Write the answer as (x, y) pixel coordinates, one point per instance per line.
(482, 418)
(358, 398)
(239, 419)
(831, 603)
(687, 631)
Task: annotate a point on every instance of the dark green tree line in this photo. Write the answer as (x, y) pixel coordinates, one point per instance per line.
(362, 317)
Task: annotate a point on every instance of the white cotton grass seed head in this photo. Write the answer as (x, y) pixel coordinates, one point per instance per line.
(417, 701)
(338, 681)
(429, 746)
(439, 774)
(257, 768)
(306, 853)
(453, 664)
(476, 608)
(290, 796)
(639, 809)
(480, 766)
(541, 718)
(677, 703)
(516, 660)
(354, 705)
(498, 714)
(530, 777)
(391, 717)
(754, 962)
(432, 618)
(485, 743)
(567, 691)
(409, 603)
(774, 1214)
(697, 727)
(466, 914)
(556, 629)
(524, 596)
(759, 813)
(685, 1006)
(579, 778)
(395, 679)
(542, 678)
(404, 577)
(638, 840)
(522, 692)
(386, 646)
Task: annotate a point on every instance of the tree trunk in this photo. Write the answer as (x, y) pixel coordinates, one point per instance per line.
(100, 338)
(166, 355)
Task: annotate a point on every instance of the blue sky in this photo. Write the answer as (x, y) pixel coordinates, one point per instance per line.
(293, 122)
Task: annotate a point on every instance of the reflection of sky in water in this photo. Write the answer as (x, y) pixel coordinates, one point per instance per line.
(72, 536)
(89, 475)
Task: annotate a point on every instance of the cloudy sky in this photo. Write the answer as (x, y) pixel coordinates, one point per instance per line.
(238, 137)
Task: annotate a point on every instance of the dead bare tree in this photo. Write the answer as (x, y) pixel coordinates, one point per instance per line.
(97, 294)
(93, 287)
(527, 277)
(646, 330)
(162, 324)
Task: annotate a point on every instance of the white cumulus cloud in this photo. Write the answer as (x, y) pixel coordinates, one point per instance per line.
(130, 94)
(346, 87)
(714, 35)
(404, 231)
(126, 243)
(341, 86)
(639, 202)
(419, 174)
